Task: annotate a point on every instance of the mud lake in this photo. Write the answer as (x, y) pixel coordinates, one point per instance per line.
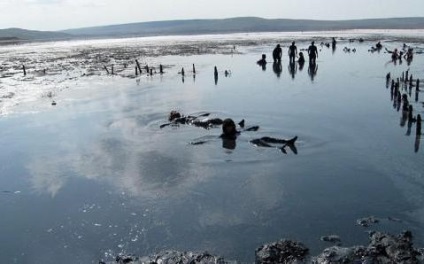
(94, 176)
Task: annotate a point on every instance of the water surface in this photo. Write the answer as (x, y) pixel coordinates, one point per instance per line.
(95, 176)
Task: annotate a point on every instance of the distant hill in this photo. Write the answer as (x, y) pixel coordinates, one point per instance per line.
(208, 26)
(242, 25)
(17, 34)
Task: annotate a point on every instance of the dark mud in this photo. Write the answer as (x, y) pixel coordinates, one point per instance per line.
(382, 248)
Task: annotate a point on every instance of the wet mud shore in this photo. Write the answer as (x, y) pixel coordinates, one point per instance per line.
(382, 248)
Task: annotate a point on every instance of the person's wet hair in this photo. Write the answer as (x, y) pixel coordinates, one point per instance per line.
(174, 115)
(229, 128)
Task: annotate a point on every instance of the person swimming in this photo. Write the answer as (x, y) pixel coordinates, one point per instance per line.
(229, 132)
(176, 118)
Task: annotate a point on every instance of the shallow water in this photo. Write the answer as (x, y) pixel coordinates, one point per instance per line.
(95, 176)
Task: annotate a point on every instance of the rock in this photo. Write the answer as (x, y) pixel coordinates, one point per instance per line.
(331, 238)
(367, 221)
(284, 251)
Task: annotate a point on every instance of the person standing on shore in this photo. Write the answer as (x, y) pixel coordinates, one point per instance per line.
(312, 52)
(292, 52)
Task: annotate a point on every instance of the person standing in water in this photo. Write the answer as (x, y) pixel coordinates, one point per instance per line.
(277, 54)
(312, 52)
(292, 52)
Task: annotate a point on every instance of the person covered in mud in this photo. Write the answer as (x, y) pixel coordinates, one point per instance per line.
(277, 53)
(312, 52)
(230, 133)
(262, 62)
(292, 52)
(301, 60)
(409, 54)
(175, 118)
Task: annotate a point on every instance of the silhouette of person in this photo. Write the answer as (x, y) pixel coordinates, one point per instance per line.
(333, 45)
(277, 68)
(229, 133)
(292, 52)
(262, 62)
(312, 52)
(301, 61)
(277, 53)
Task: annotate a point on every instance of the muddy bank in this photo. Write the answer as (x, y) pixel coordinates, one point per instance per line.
(382, 248)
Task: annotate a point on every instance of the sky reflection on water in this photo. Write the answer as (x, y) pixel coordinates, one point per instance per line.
(95, 175)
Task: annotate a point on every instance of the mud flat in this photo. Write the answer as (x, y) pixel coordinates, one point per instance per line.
(382, 248)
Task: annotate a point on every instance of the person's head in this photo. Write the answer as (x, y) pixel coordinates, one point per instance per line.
(263, 57)
(174, 115)
(313, 42)
(278, 46)
(229, 128)
(293, 43)
(301, 54)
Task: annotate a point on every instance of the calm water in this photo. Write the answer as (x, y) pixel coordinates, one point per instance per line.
(95, 176)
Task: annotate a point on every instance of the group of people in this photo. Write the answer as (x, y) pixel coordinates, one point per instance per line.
(277, 54)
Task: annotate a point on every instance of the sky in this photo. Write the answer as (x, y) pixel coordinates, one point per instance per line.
(67, 14)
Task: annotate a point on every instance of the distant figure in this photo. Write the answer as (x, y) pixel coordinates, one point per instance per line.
(292, 52)
(312, 52)
(409, 55)
(395, 55)
(333, 45)
(378, 46)
(262, 62)
(301, 61)
(277, 53)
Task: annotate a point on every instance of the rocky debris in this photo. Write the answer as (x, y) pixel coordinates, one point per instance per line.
(284, 251)
(331, 238)
(382, 249)
(367, 221)
(170, 257)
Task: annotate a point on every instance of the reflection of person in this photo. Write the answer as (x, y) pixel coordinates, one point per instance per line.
(312, 52)
(292, 69)
(292, 52)
(312, 70)
(277, 68)
(277, 53)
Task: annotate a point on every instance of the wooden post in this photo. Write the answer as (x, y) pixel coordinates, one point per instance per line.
(194, 69)
(418, 132)
(161, 69)
(138, 66)
(112, 69)
(106, 69)
(417, 87)
(182, 72)
(151, 71)
(136, 71)
(23, 68)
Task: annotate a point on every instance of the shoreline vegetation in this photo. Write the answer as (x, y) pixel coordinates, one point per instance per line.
(208, 26)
